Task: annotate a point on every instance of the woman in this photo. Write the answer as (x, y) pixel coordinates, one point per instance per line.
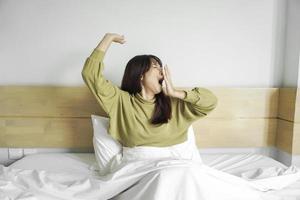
(147, 113)
(147, 110)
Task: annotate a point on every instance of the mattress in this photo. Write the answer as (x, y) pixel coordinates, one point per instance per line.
(84, 164)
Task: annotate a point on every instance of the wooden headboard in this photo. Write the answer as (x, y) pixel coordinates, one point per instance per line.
(56, 116)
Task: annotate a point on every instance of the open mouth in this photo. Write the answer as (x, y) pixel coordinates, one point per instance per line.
(160, 81)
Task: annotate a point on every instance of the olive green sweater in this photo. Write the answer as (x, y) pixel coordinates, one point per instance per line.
(130, 114)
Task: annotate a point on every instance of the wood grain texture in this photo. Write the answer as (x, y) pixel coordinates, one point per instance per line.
(246, 102)
(287, 103)
(296, 139)
(55, 116)
(46, 132)
(288, 131)
(77, 132)
(47, 101)
(296, 132)
(284, 135)
(50, 101)
(235, 132)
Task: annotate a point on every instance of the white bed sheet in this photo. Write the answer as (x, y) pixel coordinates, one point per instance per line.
(84, 165)
(86, 162)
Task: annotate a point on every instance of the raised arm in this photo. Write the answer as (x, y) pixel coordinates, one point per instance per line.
(105, 92)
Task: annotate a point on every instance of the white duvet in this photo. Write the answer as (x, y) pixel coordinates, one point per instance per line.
(146, 173)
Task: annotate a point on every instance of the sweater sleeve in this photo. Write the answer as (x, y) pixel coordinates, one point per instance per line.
(105, 92)
(197, 103)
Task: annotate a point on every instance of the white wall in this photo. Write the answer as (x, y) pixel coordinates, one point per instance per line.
(204, 42)
(292, 48)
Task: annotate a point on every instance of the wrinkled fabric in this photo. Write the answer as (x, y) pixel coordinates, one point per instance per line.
(148, 179)
(147, 173)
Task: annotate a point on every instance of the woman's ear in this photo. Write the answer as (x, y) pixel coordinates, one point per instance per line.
(142, 77)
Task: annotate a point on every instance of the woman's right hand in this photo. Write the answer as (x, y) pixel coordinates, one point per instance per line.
(114, 37)
(108, 39)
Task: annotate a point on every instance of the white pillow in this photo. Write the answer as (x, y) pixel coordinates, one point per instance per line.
(105, 146)
(193, 146)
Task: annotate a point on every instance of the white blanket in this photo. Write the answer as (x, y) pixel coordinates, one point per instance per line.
(145, 173)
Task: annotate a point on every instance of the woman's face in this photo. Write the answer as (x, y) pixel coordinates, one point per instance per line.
(153, 77)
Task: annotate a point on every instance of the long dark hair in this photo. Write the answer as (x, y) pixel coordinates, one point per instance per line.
(135, 69)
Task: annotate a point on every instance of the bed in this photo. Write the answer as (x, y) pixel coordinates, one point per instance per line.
(68, 169)
(60, 117)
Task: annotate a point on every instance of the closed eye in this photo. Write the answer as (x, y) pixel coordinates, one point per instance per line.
(157, 66)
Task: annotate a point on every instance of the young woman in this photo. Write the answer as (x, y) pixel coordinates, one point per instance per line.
(146, 113)
(146, 110)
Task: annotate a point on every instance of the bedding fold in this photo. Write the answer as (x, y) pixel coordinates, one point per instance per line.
(148, 173)
(156, 176)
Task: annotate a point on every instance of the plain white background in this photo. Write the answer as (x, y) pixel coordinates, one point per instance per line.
(230, 43)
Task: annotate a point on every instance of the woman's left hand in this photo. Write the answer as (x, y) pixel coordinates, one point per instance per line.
(167, 85)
